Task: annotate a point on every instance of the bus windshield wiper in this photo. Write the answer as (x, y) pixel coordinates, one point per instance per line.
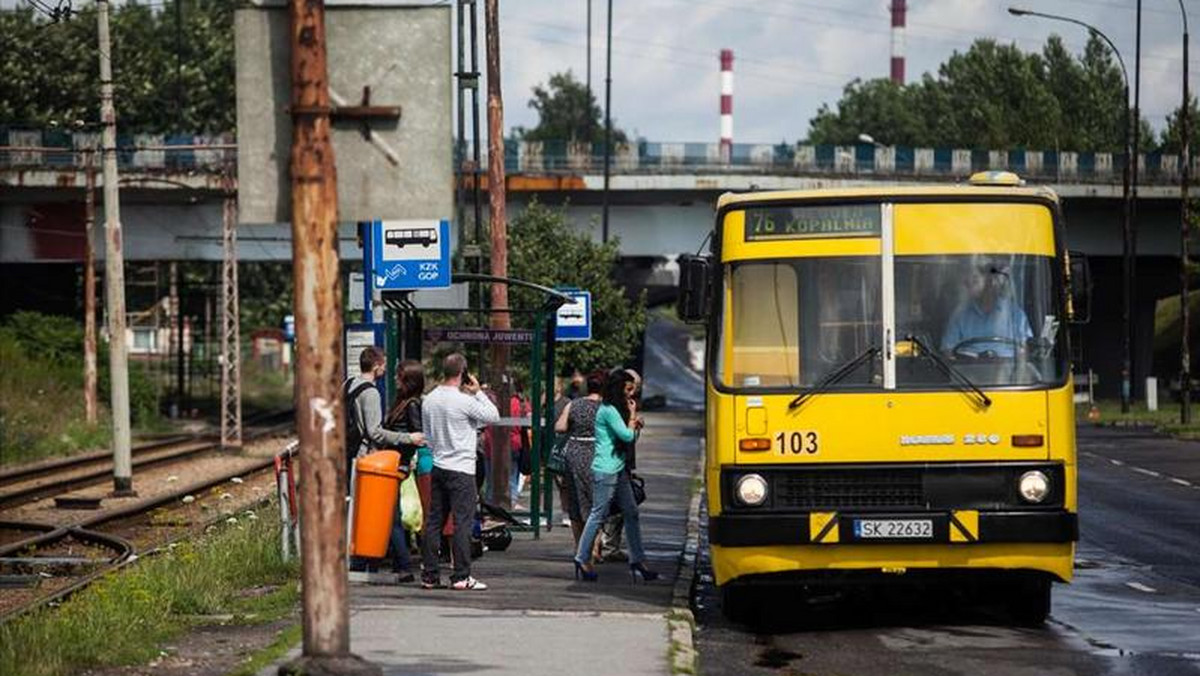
(833, 377)
(956, 376)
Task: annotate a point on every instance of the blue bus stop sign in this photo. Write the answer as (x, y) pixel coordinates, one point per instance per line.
(575, 319)
(410, 255)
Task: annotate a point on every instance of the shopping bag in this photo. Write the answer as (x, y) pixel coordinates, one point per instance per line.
(412, 515)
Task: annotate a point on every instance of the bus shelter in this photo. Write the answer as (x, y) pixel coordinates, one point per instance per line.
(407, 335)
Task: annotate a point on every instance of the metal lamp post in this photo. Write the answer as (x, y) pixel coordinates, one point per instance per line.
(1185, 354)
(1127, 225)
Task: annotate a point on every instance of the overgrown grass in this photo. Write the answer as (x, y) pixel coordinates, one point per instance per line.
(1165, 420)
(265, 389)
(127, 617)
(41, 390)
(41, 408)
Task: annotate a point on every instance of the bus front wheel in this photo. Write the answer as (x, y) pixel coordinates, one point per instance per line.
(737, 603)
(1029, 601)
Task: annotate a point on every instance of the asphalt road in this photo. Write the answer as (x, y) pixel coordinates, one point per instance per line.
(1134, 607)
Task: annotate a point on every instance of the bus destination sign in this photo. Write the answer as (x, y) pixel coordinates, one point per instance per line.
(812, 222)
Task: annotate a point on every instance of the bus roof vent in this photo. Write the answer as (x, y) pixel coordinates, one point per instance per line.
(996, 178)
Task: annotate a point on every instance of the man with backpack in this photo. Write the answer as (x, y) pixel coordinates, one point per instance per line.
(364, 412)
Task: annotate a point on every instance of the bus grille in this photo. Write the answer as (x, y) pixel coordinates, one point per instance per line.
(849, 488)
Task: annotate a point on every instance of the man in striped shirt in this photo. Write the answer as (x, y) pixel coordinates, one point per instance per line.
(451, 414)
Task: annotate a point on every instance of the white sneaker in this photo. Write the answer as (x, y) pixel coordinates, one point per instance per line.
(468, 584)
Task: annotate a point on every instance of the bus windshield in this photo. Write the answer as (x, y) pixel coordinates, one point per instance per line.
(995, 317)
(794, 321)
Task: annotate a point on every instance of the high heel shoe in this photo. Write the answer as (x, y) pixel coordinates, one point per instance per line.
(584, 574)
(637, 570)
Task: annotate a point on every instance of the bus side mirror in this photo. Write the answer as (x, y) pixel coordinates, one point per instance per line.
(694, 272)
(1080, 290)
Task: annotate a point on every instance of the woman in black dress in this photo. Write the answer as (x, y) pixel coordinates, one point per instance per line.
(578, 422)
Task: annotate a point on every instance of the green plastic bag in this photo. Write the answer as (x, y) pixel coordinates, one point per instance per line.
(412, 516)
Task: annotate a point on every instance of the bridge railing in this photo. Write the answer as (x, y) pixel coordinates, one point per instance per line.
(649, 157)
(54, 149)
(63, 150)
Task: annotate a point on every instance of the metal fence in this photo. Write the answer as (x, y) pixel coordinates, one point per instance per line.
(53, 149)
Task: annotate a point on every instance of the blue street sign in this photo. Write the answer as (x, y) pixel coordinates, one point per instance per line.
(410, 255)
(575, 319)
(289, 327)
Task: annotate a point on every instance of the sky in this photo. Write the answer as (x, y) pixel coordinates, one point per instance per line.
(791, 56)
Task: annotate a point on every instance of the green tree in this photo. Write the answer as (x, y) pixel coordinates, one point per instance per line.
(51, 73)
(991, 96)
(1172, 136)
(567, 111)
(543, 248)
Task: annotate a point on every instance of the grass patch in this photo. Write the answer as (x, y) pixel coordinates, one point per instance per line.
(279, 647)
(125, 618)
(41, 390)
(1165, 420)
(265, 389)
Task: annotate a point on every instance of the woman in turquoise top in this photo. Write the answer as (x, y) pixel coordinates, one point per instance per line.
(610, 479)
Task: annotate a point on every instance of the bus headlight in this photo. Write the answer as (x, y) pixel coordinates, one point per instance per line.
(1034, 486)
(751, 490)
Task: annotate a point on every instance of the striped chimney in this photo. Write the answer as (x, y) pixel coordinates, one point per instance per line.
(726, 105)
(898, 10)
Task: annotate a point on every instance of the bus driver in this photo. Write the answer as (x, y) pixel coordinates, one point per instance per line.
(987, 323)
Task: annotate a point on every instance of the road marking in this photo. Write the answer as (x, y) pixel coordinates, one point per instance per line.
(1147, 472)
(1181, 482)
(1141, 587)
(1118, 463)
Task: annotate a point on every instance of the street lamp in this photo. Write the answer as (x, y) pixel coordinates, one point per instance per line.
(1127, 226)
(1185, 354)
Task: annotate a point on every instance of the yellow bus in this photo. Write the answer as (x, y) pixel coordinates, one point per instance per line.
(888, 394)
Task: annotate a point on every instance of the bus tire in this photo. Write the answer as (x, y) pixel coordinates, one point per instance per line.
(737, 603)
(1029, 601)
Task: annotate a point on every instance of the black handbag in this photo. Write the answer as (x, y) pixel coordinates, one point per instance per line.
(557, 462)
(638, 484)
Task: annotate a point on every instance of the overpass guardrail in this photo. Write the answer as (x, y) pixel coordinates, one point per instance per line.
(22, 149)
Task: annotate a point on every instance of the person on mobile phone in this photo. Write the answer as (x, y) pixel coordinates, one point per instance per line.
(450, 415)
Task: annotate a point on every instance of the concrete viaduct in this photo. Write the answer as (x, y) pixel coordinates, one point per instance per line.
(661, 198)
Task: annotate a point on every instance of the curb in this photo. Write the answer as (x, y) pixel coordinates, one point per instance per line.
(681, 622)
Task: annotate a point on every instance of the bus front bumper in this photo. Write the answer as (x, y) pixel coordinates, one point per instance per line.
(753, 545)
(952, 527)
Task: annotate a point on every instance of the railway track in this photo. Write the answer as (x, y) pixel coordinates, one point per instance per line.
(26, 483)
(42, 563)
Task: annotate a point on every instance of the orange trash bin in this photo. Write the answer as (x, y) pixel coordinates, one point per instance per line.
(376, 489)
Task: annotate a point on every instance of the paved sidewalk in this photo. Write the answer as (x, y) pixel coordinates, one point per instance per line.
(535, 618)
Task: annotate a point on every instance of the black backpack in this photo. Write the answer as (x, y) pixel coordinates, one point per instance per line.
(353, 437)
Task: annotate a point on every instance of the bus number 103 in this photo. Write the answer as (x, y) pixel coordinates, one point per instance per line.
(797, 443)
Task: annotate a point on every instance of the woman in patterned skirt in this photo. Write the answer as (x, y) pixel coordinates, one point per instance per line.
(578, 422)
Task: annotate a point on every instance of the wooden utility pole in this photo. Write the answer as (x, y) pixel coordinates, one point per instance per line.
(501, 456)
(114, 269)
(90, 404)
(318, 311)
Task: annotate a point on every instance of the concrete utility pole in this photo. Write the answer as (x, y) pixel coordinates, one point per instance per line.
(114, 268)
(90, 403)
(1185, 352)
(318, 310)
(501, 456)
